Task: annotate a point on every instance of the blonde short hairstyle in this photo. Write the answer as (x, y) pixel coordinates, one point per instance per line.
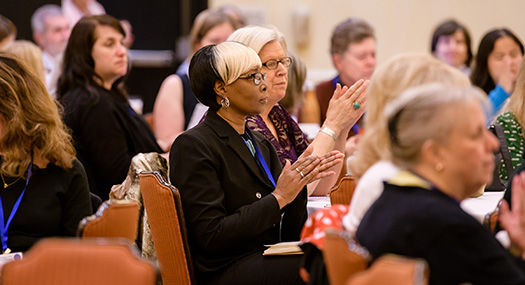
(30, 54)
(224, 62)
(233, 60)
(387, 83)
(424, 113)
(256, 37)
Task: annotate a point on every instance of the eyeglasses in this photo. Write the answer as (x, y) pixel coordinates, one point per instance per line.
(257, 77)
(273, 63)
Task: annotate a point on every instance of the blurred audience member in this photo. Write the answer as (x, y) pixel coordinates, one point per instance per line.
(294, 96)
(512, 121)
(371, 162)
(51, 32)
(45, 189)
(106, 130)
(7, 32)
(451, 44)
(235, 13)
(353, 50)
(74, 10)
(128, 29)
(496, 66)
(176, 105)
(30, 54)
(419, 214)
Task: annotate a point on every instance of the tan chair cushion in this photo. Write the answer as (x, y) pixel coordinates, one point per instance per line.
(80, 261)
(342, 193)
(115, 219)
(343, 256)
(393, 270)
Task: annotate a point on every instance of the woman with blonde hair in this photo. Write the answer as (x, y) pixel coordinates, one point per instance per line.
(371, 163)
(30, 54)
(43, 183)
(512, 122)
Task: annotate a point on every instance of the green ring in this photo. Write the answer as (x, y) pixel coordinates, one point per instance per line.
(356, 105)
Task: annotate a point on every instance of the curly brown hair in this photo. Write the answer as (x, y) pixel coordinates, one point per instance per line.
(30, 121)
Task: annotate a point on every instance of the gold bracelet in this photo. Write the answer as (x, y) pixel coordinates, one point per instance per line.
(329, 132)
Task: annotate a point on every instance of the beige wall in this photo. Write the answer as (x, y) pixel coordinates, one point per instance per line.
(401, 25)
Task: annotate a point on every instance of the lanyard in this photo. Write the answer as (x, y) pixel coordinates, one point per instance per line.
(4, 228)
(260, 160)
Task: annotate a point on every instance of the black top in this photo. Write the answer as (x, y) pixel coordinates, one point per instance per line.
(54, 203)
(107, 134)
(226, 199)
(414, 221)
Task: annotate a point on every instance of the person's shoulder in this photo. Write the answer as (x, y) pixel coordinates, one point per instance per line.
(198, 134)
(506, 116)
(172, 79)
(507, 121)
(380, 171)
(383, 166)
(324, 84)
(81, 96)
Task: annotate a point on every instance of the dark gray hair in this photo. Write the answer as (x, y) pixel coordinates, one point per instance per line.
(352, 30)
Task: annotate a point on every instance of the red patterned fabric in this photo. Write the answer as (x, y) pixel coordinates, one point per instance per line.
(316, 225)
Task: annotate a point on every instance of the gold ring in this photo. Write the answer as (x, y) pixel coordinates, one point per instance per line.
(300, 172)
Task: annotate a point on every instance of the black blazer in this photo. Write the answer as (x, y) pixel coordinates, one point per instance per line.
(226, 198)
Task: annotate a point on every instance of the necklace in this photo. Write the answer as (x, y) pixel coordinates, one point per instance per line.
(7, 185)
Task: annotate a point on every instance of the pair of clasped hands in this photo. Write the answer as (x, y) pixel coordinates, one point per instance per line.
(306, 169)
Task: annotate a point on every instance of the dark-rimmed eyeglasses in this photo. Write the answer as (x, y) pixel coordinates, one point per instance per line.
(273, 63)
(257, 77)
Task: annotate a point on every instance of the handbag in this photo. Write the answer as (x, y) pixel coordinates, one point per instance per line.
(497, 183)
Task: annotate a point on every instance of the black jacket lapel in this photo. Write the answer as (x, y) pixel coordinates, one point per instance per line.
(236, 143)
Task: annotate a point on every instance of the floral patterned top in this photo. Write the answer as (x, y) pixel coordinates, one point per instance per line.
(514, 135)
(291, 141)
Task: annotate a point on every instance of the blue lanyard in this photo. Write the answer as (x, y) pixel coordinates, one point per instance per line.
(260, 160)
(336, 80)
(355, 127)
(4, 228)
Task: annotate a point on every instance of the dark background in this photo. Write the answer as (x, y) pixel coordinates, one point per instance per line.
(157, 24)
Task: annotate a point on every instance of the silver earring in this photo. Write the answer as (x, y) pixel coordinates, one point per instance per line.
(225, 102)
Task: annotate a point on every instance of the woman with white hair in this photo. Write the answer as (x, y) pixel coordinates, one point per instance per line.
(346, 106)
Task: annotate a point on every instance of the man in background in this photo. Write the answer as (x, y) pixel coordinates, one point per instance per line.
(51, 32)
(353, 49)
